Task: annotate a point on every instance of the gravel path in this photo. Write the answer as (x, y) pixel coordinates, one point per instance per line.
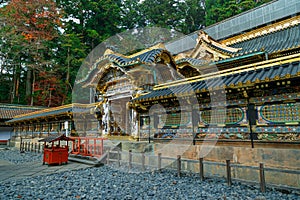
(108, 183)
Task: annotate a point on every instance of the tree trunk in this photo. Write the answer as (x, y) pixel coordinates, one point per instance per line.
(17, 82)
(13, 88)
(32, 89)
(28, 84)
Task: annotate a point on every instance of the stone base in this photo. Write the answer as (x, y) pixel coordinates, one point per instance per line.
(282, 159)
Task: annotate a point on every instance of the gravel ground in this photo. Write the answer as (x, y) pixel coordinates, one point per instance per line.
(108, 183)
(14, 156)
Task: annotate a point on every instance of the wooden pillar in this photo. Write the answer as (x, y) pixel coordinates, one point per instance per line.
(159, 162)
(262, 177)
(130, 159)
(21, 145)
(201, 169)
(49, 128)
(228, 172)
(108, 157)
(143, 161)
(178, 165)
(119, 158)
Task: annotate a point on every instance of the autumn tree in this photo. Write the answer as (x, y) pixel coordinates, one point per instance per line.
(34, 22)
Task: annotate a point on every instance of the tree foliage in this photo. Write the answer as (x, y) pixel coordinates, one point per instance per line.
(43, 43)
(93, 21)
(29, 25)
(182, 16)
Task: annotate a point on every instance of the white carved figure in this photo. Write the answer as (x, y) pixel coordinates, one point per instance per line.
(105, 118)
(134, 123)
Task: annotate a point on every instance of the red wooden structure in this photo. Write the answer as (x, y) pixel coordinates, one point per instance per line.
(87, 146)
(55, 153)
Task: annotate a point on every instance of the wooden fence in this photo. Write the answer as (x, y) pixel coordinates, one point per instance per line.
(30, 146)
(115, 156)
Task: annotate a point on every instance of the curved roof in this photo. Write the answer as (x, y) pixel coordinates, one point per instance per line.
(277, 41)
(267, 72)
(191, 61)
(148, 57)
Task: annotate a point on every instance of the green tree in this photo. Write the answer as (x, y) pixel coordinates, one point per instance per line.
(194, 16)
(182, 16)
(131, 15)
(94, 21)
(70, 54)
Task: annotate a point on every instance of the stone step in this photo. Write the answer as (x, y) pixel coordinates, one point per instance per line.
(85, 160)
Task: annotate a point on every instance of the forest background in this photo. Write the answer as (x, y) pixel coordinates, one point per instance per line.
(44, 42)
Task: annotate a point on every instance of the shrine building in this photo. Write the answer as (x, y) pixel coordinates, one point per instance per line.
(237, 79)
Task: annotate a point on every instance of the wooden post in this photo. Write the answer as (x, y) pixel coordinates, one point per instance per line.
(262, 177)
(35, 147)
(201, 169)
(119, 158)
(31, 147)
(25, 146)
(95, 148)
(39, 148)
(130, 159)
(107, 157)
(21, 145)
(228, 170)
(143, 161)
(101, 148)
(159, 162)
(178, 165)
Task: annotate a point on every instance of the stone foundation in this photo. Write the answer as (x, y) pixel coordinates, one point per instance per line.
(283, 159)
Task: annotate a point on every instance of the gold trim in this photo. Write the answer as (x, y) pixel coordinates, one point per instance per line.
(157, 46)
(246, 68)
(57, 108)
(263, 31)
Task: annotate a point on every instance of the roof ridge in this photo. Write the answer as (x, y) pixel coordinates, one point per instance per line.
(4, 105)
(157, 46)
(278, 26)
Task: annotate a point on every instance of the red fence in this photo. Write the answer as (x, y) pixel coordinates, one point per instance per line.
(87, 146)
